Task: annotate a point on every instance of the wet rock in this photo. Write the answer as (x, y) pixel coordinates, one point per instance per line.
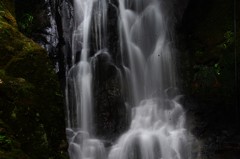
(110, 110)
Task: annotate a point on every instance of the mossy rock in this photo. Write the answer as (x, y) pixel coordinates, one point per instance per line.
(9, 147)
(12, 42)
(7, 11)
(20, 109)
(31, 102)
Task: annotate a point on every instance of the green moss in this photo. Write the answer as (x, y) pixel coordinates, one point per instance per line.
(7, 11)
(8, 5)
(30, 98)
(9, 147)
(12, 42)
(2, 73)
(30, 101)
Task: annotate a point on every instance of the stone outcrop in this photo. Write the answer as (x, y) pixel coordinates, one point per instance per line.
(31, 103)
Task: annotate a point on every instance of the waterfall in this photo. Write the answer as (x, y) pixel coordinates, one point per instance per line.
(79, 91)
(157, 129)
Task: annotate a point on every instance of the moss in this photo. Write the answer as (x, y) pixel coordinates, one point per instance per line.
(7, 11)
(18, 107)
(30, 98)
(8, 5)
(13, 43)
(35, 68)
(9, 147)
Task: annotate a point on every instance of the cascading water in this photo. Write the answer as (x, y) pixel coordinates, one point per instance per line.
(79, 82)
(157, 129)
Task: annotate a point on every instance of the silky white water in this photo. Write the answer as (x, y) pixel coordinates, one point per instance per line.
(79, 93)
(157, 129)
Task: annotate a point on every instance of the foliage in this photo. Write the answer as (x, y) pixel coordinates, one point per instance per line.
(210, 46)
(4, 140)
(31, 103)
(229, 36)
(6, 14)
(217, 69)
(25, 23)
(229, 39)
(9, 147)
(7, 4)
(206, 77)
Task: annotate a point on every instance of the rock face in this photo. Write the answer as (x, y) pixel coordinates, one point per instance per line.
(31, 103)
(48, 23)
(110, 110)
(109, 107)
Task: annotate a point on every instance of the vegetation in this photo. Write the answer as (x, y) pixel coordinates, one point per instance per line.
(210, 49)
(31, 103)
(25, 24)
(9, 147)
(211, 81)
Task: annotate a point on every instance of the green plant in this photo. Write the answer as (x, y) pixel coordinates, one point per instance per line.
(25, 23)
(199, 53)
(207, 76)
(5, 142)
(4, 139)
(2, 72)
(217, 69)
(229, 39)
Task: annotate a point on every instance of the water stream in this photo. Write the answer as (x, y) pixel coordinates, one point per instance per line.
(157, 129)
